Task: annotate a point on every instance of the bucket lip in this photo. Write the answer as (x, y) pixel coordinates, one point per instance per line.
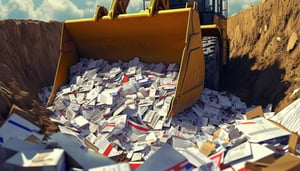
(129, 15)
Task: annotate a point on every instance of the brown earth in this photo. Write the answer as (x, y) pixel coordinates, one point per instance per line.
(260, 71)
(28, 56)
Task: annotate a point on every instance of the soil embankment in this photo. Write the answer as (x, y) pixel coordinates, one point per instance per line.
(265, 55)
(29, 53)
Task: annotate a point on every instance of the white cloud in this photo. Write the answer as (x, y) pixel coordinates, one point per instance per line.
(23, 5)
(92, 4)
(71, 9)
(238, 5)
(47, 10)
(58, 10)
(3, 10)
(105, 3)
(17, 8)
(135, 6)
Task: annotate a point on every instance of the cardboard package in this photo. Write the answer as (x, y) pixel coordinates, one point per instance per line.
(256, 112)
(272, 162)
(18, 127)
(294, 144)
(50, 160)
(207, 148)
(287, 162)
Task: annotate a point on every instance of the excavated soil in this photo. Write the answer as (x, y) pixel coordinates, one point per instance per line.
(29, 53)
(261, 70)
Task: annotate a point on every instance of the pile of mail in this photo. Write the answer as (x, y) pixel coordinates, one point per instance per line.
(289, 117)
(112, 110)
(99, 92)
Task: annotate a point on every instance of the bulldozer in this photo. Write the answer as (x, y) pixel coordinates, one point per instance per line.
(190, 33)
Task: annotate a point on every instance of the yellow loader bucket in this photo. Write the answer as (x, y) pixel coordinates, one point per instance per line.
(166, 36)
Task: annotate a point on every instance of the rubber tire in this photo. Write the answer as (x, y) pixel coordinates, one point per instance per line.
(211, 49)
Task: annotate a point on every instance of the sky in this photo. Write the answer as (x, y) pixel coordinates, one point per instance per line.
(61, 10)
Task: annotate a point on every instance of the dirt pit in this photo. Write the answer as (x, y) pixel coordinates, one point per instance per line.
(29, 53)
(261, 69)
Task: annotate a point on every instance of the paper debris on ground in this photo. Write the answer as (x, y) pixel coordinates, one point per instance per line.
(175, 161)
(289, 117)
(258, 152)
(114, 167)
(120, 109)
(237, 153)
(260, 129)
(17, 127)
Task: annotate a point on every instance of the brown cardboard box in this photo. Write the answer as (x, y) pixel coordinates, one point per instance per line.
(16, 109)
(262, 163)
(217, 134)
(207, 148)
(294, 142)
(256, 112)
(287, 162)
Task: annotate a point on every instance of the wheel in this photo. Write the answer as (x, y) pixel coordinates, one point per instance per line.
(211, 50)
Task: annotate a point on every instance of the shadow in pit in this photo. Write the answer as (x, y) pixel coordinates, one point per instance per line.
(254, 86)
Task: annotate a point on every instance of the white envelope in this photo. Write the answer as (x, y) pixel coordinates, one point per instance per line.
(237, 153)
(260, 129)
(166, 158)
(17, 127)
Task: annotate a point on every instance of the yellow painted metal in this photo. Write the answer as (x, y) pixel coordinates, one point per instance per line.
(68, 56)
(210, 26)
(167, 36)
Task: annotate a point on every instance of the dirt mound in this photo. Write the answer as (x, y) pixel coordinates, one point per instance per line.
(265, 54)
(29, 53)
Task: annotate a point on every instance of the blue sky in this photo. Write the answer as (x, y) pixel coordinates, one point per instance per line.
(72, 9)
